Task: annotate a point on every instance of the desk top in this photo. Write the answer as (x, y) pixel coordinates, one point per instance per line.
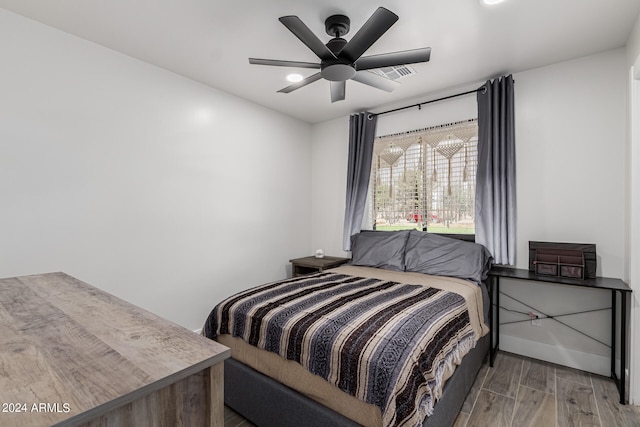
(70, 352)
(522, 274)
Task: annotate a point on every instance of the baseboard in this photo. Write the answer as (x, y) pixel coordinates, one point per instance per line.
(594, 363)
(198, 331)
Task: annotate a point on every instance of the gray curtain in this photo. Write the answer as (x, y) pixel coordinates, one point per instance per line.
(496, 179)
(362, 131)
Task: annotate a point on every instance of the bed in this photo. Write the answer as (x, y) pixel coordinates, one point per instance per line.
(396, 337)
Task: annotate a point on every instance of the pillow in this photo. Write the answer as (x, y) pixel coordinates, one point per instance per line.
(382, 249)
(444, 256)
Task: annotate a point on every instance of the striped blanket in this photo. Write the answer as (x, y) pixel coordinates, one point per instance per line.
(387, 343)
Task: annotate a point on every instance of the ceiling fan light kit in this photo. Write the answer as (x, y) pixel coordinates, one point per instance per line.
(341, 60)
(294, 77)
(337, 71)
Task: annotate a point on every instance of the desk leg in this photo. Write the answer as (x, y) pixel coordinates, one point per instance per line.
(613, 333)
(494, 318)
(497, 317)
(621, 381)
(491, 322)
(623, 346)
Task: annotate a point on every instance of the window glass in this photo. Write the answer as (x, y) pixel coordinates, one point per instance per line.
(425, 179)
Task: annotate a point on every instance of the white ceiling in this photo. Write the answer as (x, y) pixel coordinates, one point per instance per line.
(210, 41)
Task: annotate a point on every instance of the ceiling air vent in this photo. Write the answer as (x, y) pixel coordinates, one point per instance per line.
(394, 73)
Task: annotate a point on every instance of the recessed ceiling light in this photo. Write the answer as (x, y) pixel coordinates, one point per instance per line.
(490, 2)
(294, 78)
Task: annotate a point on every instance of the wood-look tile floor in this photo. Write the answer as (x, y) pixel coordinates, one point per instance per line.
(233, 419)
(523, 392)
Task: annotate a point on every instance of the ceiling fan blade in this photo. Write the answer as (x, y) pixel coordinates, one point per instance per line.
(376, 81)
(381, 20)
(338, 90)
(279, 63)
(394, 58)
(306, 36)
(312, 78)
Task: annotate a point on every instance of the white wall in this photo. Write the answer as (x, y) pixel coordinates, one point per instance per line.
(570, 129)
(166, 193)
(633, 225)
(570, 136)
(329, 153)
(633, 44)
(632, 270)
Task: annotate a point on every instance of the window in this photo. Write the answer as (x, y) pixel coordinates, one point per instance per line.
(426, 179)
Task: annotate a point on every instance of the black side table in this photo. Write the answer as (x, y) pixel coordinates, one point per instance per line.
(311, 264)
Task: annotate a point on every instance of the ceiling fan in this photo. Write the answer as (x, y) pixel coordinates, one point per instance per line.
(341, 60)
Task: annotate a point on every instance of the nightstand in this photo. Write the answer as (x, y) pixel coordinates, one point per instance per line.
(311, 264)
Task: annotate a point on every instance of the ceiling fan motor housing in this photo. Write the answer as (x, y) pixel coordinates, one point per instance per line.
(337, 70)
(336, 45)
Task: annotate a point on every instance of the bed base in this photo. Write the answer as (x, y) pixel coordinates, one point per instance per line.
(268, 403)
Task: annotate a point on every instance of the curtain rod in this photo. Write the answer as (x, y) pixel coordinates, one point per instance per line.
(409, 132)
(482, 88)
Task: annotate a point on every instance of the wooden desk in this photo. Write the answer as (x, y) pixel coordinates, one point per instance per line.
(71, 354)
(606, 283)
